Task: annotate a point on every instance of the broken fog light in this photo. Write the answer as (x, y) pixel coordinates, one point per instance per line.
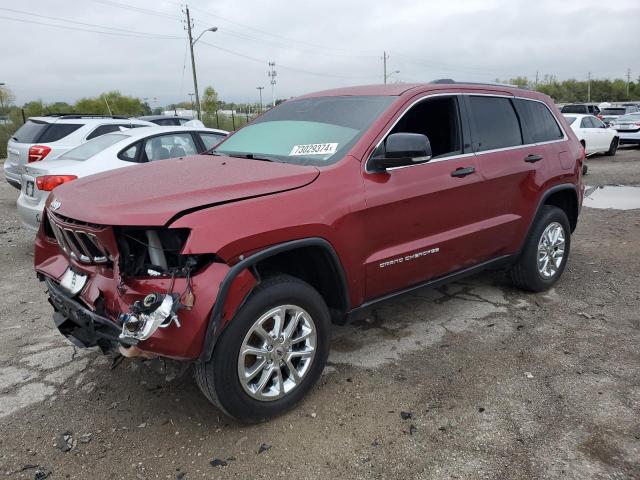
(144, 319)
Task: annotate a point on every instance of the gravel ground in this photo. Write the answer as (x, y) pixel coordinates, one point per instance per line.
(474, 380)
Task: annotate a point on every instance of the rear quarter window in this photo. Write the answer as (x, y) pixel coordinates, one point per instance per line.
(57, 131)
(495, 123)
(574, 109)
(538, 123)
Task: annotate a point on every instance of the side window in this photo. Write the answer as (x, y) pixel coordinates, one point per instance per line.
(57, 131)
(438, 119)
(495, 123)
(102, 129)
(586, 123)
(210, 140)
(130, 154)
(538, 123)
(172, 145)
(597, 123)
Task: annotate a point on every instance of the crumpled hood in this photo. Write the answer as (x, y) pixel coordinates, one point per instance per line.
(152, 194)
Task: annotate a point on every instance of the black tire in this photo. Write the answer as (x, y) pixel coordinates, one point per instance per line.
(218, 378)
(524, 273)
(613, 148)
(585, 169)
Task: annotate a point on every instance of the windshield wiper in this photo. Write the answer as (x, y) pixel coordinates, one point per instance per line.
(250, 156)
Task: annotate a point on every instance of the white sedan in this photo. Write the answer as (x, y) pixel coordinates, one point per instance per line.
(594, 135)
(107, 152)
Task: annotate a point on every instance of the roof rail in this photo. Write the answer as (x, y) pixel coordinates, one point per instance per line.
(84, 115)
(446, 81)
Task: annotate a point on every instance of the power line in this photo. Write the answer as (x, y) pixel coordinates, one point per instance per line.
(132, 8)
(49, 17)
(68, 27)
(293, 69)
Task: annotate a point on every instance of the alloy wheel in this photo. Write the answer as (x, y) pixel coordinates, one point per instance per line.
(277, 352)
(551, 250)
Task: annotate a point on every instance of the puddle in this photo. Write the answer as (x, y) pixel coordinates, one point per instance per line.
(617, 197)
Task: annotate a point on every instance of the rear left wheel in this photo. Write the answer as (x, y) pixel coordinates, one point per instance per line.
(272, 352)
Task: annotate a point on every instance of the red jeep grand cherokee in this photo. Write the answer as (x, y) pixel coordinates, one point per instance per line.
(315, 212)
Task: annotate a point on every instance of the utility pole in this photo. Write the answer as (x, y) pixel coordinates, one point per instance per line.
(536, 79)
(589, 87)
(191, 98)
(260, 90)
(628, 81)
(272, 74)
(384, 65)
(193, 60)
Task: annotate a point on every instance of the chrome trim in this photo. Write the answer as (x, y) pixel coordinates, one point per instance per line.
(453, 157)
(78, 243)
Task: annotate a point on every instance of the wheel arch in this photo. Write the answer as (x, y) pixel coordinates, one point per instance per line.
(565, 197)
(318, 252)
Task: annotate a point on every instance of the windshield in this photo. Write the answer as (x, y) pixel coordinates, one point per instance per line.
(634, 117)
(312, 131)
(89, 149)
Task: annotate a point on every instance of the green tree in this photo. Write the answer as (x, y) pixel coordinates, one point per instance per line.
(115, 101)
(209, 100)
(6, 99)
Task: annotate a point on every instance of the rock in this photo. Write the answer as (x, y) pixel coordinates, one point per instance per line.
(41, 474)
(180, 475)
(406, 415)
(442, 429)
(412, 429)
(65, 442)
(264, 447)
(528, 374)
(85, 438)
(216, 462)
(314, 415)
(375, 443)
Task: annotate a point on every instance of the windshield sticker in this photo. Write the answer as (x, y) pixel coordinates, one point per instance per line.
(314, 149)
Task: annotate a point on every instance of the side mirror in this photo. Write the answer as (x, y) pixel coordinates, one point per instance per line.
(402, 149)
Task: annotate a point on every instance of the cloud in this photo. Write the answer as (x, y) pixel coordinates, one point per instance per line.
(316, 45)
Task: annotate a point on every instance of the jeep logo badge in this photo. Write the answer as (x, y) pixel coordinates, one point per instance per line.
(55, 205)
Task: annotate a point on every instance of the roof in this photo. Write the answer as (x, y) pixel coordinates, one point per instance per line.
(143, 132)
(85, 119)
(160, 117)
(398, 89)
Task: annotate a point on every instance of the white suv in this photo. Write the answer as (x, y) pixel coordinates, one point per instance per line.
(52, 135)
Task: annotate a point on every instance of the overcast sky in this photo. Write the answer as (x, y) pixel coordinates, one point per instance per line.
(315, 45)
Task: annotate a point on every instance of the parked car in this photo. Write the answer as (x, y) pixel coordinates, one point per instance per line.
(166, 120)
(51, 135)
(319, 210)
(581, 108)
(628, 128)
(611, 114)
(593, 134)
(107, 152)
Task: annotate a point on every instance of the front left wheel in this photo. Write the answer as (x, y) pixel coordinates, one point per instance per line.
(272, 352)
(613, 147)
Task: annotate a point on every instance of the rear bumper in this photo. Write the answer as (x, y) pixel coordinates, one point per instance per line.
(81, 326)
(30, 211)
(12, 174)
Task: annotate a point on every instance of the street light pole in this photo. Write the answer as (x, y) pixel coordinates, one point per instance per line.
(260, 90)
(193, 61)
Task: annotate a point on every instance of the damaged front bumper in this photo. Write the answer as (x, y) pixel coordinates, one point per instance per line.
(80, 325)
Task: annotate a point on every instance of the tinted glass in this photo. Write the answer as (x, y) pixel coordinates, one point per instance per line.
(210, 140)
(614, 111)
(29, 132)
(90, 148)
(309, 131)
(102, 129)
(130, 154)
(495, 122)
(574, 109)
(173, 145)
(596, 122)
(539, 122)
(58, 131)
(570, 120)
(167, 122)
(585, 123)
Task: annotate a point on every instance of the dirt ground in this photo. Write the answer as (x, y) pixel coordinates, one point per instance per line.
(476, 380)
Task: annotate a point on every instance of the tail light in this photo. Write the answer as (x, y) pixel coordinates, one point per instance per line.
(46, 183)
(38, 152)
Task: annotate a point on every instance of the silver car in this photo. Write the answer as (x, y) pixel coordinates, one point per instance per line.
(52, 135)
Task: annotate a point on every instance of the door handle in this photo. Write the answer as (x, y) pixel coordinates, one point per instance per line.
(533, 158)
(463, 171)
